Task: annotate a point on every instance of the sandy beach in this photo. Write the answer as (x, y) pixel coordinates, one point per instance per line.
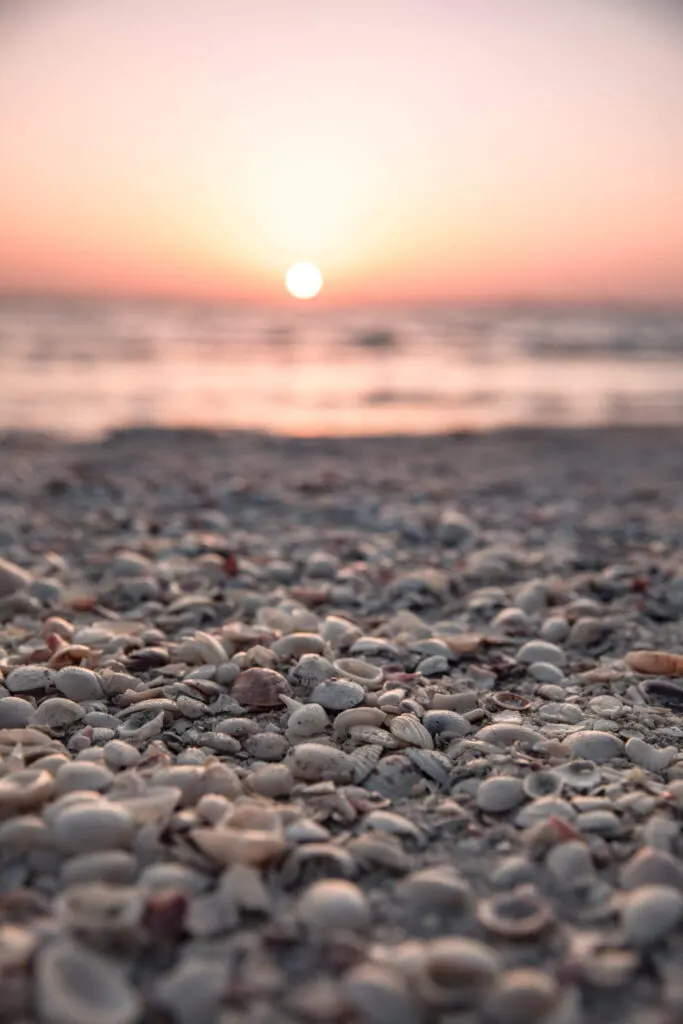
(342, 731)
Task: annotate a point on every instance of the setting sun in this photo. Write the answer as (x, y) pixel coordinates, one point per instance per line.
(303, 280)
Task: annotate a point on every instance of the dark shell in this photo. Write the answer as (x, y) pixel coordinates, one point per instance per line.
(260, 688)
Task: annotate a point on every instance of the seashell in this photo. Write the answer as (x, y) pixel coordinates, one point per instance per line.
(325, 859)
(432, 763)
(304, 830)
(314, 761)
(100, 910)
(75, 775)
(96, 824)
(25, 789)
(375, 647)
(595, 745)
(338, 694)
(29, 679)
(364, 759)
(522, 995)
(203, 649)
(649, 866)
(23, 833)
(438, 889)
(13, 578)
(333, 905)
(394, 824)
(569, 862)
(157, 804)
(394, 777)
(410, 730)
(580, 775)
(377, 994)
(140, 727)
(543, 808)
(357, 716)
(517, 914)
(504, 734)
(259, 688)
(663, 693)
(295, 645)
(656, 663)
(446, 723)
(654, 759)
(271, 780)
(499, 794)
(456, 972)
(311, 669)
(506, 700)
(309, 720)
(57, 712)
(229, 845)
(78, 684)
(372, 734)
(74, 984)
(543, 783)
(113, 866)
(370, 677)
(339, 633)
(650, 912)
(377, 849)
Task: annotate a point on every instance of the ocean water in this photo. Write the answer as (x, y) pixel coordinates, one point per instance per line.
(85, 368)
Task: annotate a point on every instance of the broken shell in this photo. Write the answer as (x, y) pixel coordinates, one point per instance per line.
(411, 731)
(357, 716)
(99, 910)
(433, 764)
(226, 845)
(456, 971)
(509, 701)
(364, 760)
(260, 688)
(580, 775)
(656, 663)
(543, 783)
(76, 985)
(315, 761)
(370, 677)
(209, 649)
(518, 914)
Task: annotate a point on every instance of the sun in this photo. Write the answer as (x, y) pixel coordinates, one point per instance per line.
(303, 280)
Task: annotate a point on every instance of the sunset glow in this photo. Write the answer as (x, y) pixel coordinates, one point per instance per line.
(415, 149)
(303, 281)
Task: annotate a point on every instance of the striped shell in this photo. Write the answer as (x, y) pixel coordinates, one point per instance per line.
(365, 758)
(410, 730)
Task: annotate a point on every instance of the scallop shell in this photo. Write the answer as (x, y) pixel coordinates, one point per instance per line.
(656, 663)
(411, 731)
(433, 764)
(365, 758)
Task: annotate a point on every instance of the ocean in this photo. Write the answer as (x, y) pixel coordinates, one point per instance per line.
(84, 368)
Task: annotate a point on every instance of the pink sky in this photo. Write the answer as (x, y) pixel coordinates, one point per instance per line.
(413, 149)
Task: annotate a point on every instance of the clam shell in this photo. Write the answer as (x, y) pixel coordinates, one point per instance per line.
(260, 688)
(411, 731)
(77, 985)
(226, 845)
(433, 764)
(365, 758)
(456, 971)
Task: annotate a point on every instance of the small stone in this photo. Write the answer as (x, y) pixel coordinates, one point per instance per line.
(541, 650)
(499, 794)
(650, 866)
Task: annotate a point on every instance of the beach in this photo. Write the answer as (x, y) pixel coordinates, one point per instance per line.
(375, 730)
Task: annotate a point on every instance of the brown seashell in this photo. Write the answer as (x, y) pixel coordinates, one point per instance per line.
(509, 701)
(518, 914)
(260, 688)
(656, 663)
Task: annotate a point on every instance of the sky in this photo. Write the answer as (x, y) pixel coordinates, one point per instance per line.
(415, 150)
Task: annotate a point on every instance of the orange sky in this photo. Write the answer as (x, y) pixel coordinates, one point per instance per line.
(413, 149)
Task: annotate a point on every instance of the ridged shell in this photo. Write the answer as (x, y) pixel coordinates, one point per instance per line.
(410, 730)
(433, 764)
(365, 758)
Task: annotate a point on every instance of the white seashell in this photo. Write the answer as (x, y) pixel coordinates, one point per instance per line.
(371, 734)
(24, 833)
(394, 824)
(338, 694)
(365, 758)
(357, 716)
(57, 712)
(100, 909)
(333, 905)
(76, 985)
(157, 804)
(308, 720)
(210, 649)
(379, 849)
(315, 761)
(410, 730)
(295, 645)
(311, 669)
(339, 633)
(370, 677)
(432, 763)
(226, 845)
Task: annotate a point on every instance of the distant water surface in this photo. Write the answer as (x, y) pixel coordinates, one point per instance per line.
(86, 368)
